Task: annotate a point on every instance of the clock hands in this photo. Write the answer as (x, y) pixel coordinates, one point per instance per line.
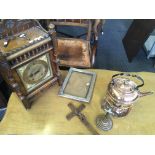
(34, 73)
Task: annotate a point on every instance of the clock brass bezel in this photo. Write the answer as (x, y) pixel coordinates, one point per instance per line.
(28, 89)
(25, 74)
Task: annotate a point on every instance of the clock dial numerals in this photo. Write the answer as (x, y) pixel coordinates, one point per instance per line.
(35, 71)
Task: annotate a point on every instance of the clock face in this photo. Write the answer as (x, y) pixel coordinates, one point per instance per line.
(36, 72)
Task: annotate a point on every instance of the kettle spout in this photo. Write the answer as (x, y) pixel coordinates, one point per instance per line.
(141, 94)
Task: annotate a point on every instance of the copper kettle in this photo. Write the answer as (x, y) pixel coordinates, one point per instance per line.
(121, 94)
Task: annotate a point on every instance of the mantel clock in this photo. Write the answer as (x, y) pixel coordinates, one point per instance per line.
(28, 61)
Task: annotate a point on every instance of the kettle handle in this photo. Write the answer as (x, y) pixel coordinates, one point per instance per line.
(132, 75)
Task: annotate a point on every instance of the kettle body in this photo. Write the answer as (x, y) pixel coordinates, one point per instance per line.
(121, 94)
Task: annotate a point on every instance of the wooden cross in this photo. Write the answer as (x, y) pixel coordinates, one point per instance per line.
(77, 112)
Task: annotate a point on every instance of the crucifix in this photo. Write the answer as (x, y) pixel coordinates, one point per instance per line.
(83, 119)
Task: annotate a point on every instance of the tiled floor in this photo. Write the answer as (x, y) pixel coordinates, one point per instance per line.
(111, 54)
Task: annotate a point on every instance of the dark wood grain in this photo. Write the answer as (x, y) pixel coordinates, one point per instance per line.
(3, 101)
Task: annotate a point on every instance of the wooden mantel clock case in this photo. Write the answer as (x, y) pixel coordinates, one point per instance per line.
(28, 61)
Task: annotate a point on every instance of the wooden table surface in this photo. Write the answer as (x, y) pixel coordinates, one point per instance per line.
(48, 113)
